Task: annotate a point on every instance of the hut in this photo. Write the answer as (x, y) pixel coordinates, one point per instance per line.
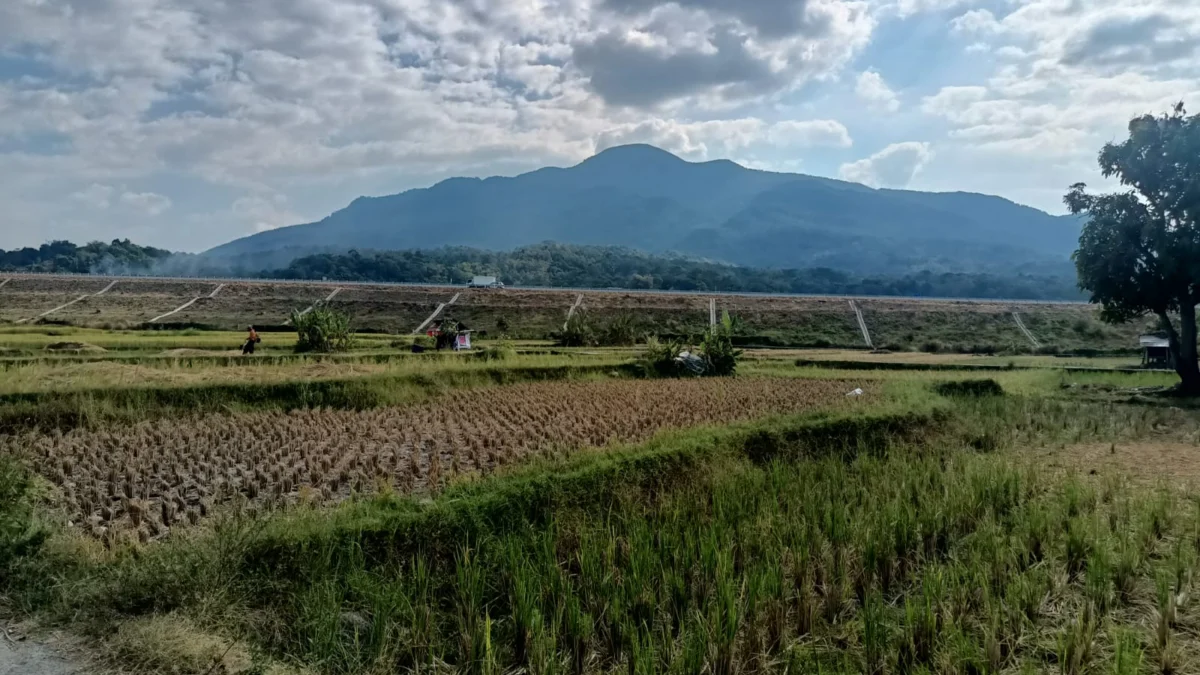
(1156, 352)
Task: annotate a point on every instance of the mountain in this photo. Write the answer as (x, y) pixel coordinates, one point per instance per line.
(645, 198)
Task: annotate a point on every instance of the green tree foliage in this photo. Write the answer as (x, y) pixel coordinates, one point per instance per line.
(577, 331)
(717, 355)
(119, 256)
(620, 331)
(718, 350)
(1139, 252)
(559, 265)
(322, 330)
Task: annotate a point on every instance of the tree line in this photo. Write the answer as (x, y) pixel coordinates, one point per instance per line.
(64, 257)
(562, 265)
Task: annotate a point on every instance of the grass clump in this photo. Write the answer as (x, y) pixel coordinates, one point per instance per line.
(21, 533)
(975, 388)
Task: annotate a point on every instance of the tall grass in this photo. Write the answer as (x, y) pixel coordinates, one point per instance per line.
(886, 542)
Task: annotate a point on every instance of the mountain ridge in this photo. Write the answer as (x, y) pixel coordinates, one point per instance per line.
(646, 198)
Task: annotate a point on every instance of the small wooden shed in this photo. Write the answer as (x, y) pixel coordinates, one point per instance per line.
(1156, 352)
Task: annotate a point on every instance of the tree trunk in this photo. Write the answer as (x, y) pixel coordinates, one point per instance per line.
(1183, 347)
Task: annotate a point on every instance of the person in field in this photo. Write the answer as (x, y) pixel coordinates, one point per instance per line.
(251, 340)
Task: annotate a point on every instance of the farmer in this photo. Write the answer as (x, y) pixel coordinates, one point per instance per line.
(251, 340)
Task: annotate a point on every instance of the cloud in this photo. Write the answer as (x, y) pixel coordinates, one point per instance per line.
(95, 195)
(894, 166)
(625, 72)
(1121, 39)
(265, 212)
(872, 89)
(651, 52)
(739, 139)
(909, 7)
(975, 22)
(148, 203)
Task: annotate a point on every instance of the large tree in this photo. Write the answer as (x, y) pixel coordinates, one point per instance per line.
(1139, 252)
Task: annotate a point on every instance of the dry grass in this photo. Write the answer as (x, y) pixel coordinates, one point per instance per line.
(176, 645)
(153, 476)
(1171, 462)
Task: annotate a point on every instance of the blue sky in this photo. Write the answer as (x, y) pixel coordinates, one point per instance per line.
(187, 123)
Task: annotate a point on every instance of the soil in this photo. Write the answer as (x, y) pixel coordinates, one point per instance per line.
(1173, 463)
(23, 656)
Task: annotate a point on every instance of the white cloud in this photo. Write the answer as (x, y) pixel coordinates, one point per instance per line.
(894, 166)
(95, 195)
(910, 7)
(265, 212)
(810, 134)
(149, 203)
(976, 22)
(726, 138)
(875, 91)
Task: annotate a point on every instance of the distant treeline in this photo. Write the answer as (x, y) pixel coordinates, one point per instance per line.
(558, 265)
(95, 258)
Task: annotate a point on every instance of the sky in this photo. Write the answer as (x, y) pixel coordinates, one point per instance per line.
(184, 124)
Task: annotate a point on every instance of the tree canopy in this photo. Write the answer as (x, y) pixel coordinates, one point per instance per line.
(1139, 251)
(119, 256)
(565, 266)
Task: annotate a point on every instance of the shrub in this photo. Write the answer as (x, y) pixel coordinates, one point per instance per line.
(577, 332)
(322, 330)
(983, 387)
(620, 332)
(501, 352)
(659, 358)
(717, 353)
(718, 350)
(20, 534)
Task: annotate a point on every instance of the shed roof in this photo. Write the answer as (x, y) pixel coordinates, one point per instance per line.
(1154, 341)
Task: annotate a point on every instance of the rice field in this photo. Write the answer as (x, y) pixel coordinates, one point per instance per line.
(151, 476)
(527, 509)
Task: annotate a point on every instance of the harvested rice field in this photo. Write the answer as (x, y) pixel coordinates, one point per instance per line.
(153, 476)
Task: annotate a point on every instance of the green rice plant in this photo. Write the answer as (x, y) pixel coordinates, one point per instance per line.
(723, 620)
(578, 627)
(1126, 568)
(875, 640)
(1127, 653)
(1078, 546)
(919, 630)
(1076, 643)
(476, 653)
(1099, 576)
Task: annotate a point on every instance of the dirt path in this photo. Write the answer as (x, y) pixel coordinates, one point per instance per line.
(28, 657)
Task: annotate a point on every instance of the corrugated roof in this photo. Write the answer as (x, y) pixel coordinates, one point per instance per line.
(1154, 341)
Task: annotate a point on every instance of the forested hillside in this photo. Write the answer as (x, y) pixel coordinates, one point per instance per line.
(64, 257)
(559, 265)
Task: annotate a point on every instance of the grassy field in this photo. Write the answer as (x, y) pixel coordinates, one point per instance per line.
(550, 512)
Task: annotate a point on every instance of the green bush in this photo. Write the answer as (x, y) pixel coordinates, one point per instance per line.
(322, 330)
(717, 348)
(620, 332)
(659, 358)
(985, 387)
(577, 332)
(501, 352)
(20, 534)
(717, 352)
